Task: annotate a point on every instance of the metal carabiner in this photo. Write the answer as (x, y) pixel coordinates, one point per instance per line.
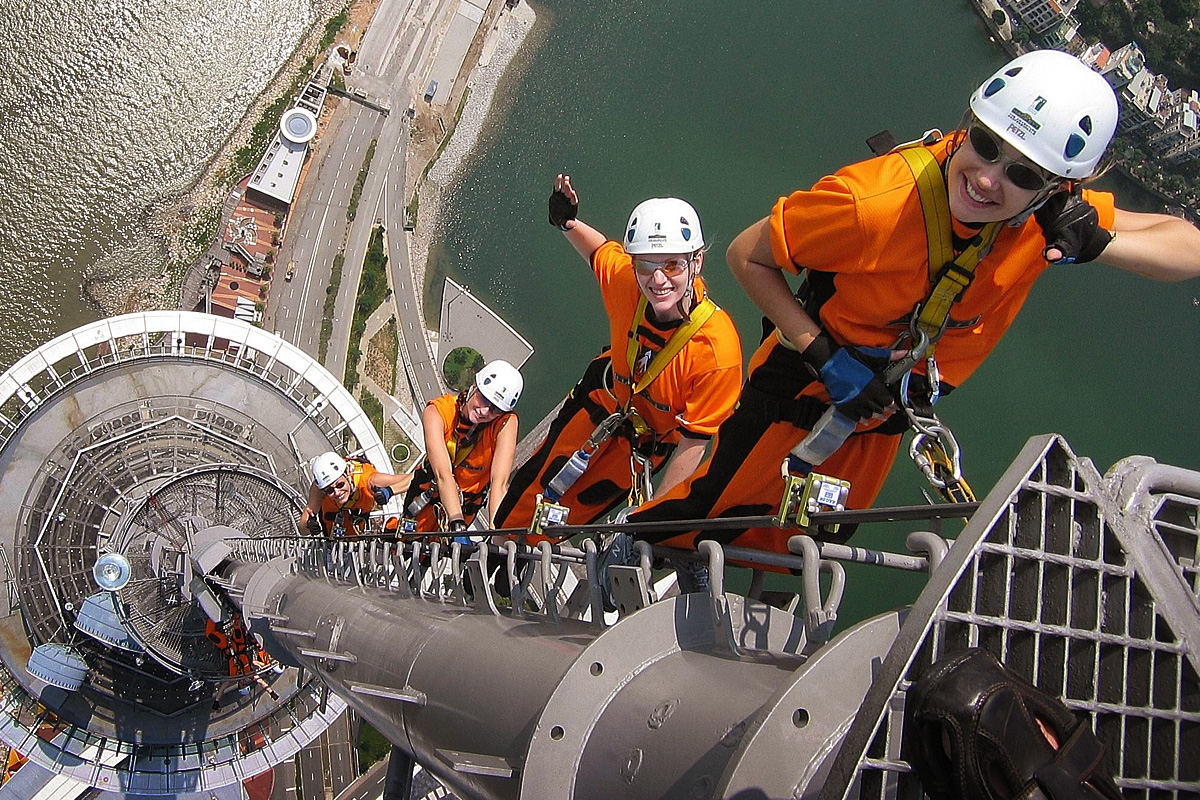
(940, 442)
(605, 429)
(900, 369)
(642, 483)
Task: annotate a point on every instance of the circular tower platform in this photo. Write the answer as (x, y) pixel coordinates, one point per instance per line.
(147, 435)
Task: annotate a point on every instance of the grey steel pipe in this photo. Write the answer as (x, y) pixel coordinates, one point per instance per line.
(499, 705)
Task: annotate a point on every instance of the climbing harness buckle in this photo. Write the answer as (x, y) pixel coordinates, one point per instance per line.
(900, 369)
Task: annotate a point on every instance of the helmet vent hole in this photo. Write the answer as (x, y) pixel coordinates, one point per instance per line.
(1075, 144)
(1013, 72)
(996, 85)
(1085, 125)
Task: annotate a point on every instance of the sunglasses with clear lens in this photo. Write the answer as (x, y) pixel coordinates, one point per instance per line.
(671, 268)
(986, 146)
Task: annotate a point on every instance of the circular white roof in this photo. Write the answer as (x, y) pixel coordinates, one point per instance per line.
(298, 125)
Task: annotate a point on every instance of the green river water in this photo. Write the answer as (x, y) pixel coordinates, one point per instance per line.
(731, 105)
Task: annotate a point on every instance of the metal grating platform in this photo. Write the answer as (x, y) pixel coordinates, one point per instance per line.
(1053, 575)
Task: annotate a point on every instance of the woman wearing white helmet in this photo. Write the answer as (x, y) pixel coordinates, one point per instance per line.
(343, 494)
(470, 442)
(1003, 201)
(669, 377)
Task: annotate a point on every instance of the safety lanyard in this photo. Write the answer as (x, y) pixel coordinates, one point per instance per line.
(949, 275)
(700, 314)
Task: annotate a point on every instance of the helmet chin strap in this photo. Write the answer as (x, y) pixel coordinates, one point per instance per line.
(687, 301)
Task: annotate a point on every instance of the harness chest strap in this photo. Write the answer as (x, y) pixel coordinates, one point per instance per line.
(700, 314)
(459, 450)
(949, 275)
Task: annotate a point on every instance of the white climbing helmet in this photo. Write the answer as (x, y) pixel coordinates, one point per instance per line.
(327, 468)
(663, 225)
(501, 383)
(1054, 109)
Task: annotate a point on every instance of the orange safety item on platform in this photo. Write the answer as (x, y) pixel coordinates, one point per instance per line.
(357, 508)
(692, 395)
(861, 235)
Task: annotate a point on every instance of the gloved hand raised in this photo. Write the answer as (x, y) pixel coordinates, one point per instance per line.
(314, 525)
(1072, 229)
(564, 202)
(381, 494)
(851, 376)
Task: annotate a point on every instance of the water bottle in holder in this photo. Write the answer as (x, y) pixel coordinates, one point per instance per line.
(830, 432)
(561, 483)
(419, 502)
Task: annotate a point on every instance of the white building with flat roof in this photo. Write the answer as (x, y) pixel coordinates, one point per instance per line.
(278, 171)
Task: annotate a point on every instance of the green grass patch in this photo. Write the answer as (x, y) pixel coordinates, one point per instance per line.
(333, 28)
(337, 81)
(356, 192)
(461, 366)
(331, 293)
(393, 332)
(373, 409)
(373, 747)
(372, 289)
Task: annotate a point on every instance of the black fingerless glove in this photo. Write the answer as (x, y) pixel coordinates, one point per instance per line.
(851, 376)
(562, 210)
(457, 525)
(1071, 226)
(314, 525)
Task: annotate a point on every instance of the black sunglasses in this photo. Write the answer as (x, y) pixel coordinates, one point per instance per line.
(987, 147)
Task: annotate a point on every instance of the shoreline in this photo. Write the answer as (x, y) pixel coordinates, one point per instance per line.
(170, 221)
(510, 36)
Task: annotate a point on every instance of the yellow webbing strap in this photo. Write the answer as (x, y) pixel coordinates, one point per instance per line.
(679, 338)
(458, 454)
(949, 276)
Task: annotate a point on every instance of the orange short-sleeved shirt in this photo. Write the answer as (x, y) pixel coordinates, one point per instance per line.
(360, 503)
(474, 473)
(864, 223)
(700, 386)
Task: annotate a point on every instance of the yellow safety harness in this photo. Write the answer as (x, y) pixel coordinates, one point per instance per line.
(949, 275)
(640, 467)
(934, 448)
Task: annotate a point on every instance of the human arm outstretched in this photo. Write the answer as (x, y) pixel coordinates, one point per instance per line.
(502, 464)
(439, 461)
(564, 202)
(1156, 246)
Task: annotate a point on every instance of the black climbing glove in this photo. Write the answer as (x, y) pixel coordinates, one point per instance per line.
(851, 376)
(1071, 226)
(314, 525)
(562, 210)
(457, 525)
(381, 494)
(971, 731)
